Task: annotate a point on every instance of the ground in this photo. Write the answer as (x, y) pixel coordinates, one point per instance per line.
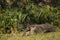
(41, 36)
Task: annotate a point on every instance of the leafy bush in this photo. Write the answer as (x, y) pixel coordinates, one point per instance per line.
(28, 14)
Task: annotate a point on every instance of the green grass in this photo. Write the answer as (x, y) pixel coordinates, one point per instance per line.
(42, 36)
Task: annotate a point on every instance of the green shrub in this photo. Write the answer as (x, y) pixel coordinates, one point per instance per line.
(30, 13)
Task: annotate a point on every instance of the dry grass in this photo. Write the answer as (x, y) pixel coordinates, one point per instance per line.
(41, 36)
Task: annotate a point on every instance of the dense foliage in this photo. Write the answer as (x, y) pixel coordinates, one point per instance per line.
(13, 13)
